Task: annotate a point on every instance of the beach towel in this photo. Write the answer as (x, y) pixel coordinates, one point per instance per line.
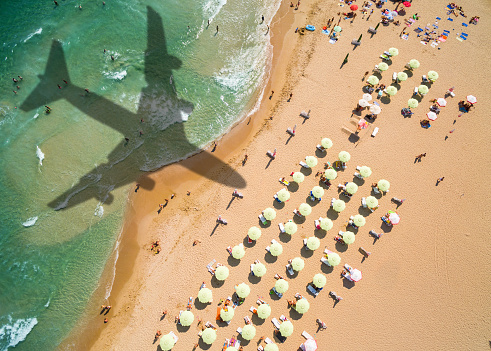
(465, 24)
(434, 44)
(424, 42)
(326, 31)
(438, 18)
(464, 34)
(450, 19)
(463, 38)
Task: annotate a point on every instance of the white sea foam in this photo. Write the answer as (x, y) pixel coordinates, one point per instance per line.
(30, 222)
(47, 303)
(116, 75)
(36, 116)
(39, 155)
(109, 286)
(223, 99)
(99, 210)
(39, 31)
(212, 8)
(16, 331)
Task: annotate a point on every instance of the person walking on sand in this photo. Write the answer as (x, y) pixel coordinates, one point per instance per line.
(289, 99)
(217, 29)
(439, 180)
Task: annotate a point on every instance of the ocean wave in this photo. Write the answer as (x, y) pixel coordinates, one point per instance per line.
(116, 75)
(109, 286)
(36, 116)
(39, 31)
(30, 222)
(39, 155)
(212, 8)
(13, 333)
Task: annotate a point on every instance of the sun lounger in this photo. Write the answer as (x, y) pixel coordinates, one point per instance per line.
(271, 154)
(325, 261)
(290, 131)
(268, 340)
(282, 227)
(260, 348)
(376, 69)
(424, 79)
(303, 164)
(312, 290)
(284, 181)
(253, 309)
(394, 76)
(305, 114)
(306, 335)
(263, 220)
(375, 131)
(296, 212)
(275, 323)
(305, 244)
(358, 175)
(317, 224)
(384, 57)
(364, 202)
(321, 148)
(289, 269)
(239, 330)
(372, 30)
(280, 295)
(276, 198)
(237, 194)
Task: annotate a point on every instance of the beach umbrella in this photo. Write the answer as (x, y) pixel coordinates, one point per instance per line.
(362, 124)
(269, 214)
(310, 345)
(383, 185)
(354, 7)
(359, 220)
(471, 99)
(365, 171)
(394, 13)
(167, 342)
(383, 66)
(209, 335)
(276, 249)
(298, 264)
(186, 318)
(338, 205)
(389, 16)
(423, 89)
(363, 103)
(394, 218)
(441, 102)
(227, 314)
(304, 209)
(254, 233)
(326, 143)
(355, 275)
(286, 328)
(248, 332)
(281, 286)
(391, 90)
(221, 273)
(371, 202)
(337, 29)
(406, 4)
(351, 188)
(318, 192)
(290, 227)
(242, 290)
(402, 76)
(344, 156)
(326, 223)
(348, 237)
(283, 195)
(313, 243)
(432, 116)
(372, 80)
(259, 269)
(432, 75)
(330, 174)
(311, 161)
(367, 97)
(412, 103)
(393, 52)
(264, 311)
(271, 347)
(413, 63)
(238, 252)
(375, 109)
(333, 258)
(319, 280)
(205, 295)
(302, 306)
(298, 177)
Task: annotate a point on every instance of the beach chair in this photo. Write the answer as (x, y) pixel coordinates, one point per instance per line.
(263, 220)
(424, 79)
(306, 335)
(312, 290)
(376, 69)
(418, 30)
(394, 76)
(237, 194)
(317, 224)
(280, 295)
(296, 212)
(190, 304)
(372, 30)
(358, 175)
(290, 131)
(252, 268)
(253, 309)
(364, 202)
(282, 227)
(325, 261)
(375, 190)
(174, 336)
(239, 330)
(385, 57)
(303, 164)
(289, 269)
(275, 196)
(375, 131)
(271, 154)
(305, 244)
(305, 115)
(285, 182)
(260, 348)
(320, 148)
(268, 340)
(275, 323)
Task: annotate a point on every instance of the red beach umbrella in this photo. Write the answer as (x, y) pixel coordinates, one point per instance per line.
(310, 345)
(471, 99)
(354, 7)
(406, 4)
(441, 102)
(432, 116)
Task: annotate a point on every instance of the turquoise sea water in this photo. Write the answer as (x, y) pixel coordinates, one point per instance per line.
(51, 261)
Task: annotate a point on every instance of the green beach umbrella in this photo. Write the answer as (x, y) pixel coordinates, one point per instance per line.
(383, 66)
(221, 273)
(326, 143)
(338, 205)
(238, 252)
(414, 63)
(351, 188)
(286, 328)
(330, 174)
(311, 161)
(348, 237)
(298, 264)
(298, 177)
(383, 185)
(302, 306)
(365, 171)
(248, 332)
(313, 243)
(372, 80)
(318, 192)
(290, 227)
(393, 52)
(242, 290)
(281, 286)
(391, 90)
(337, 29)
(412, 103)
(205, 295)
(432, 75)
(319, 280)
(283, 195)
(259, 269)
(344, 156)
(326, 224)
(359, 220)
(167, 342)
(269, 214)
(186, 318)
(423, 89)
(264, 310)
(402, 76)
(227, 315)
(276, 249)
(254, 233)
(333, 258)
(271, 347)
(209, 335)
(304, 209)
(371, 202)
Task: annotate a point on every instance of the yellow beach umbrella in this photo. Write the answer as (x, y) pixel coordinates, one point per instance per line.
(330, 174)
(304, 209)
(276, 249)
(290, 227)
(298, 264)
(281, 286)
(338, 205)
(259, 269)
(383, 185)
(264, 311)
(286, 328)
(242, 290)
(359, 220)
(221, 273)
(344, 156)
(209, 335)
(167, 342)
(302, 306)
(326, 143)
(254, 233)
(311, 161)
(269, 214)
(313, 243)
(298, 177)
(186, 318)
(351, 188)
(248, 332)
(205, 295)
(238, 252)
(326, 224)
(319, 280)
(227, 314)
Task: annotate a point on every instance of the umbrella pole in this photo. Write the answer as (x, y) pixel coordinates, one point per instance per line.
(346, 58)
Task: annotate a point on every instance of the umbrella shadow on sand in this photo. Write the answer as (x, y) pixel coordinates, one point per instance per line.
(386, 228)
(278, 205)
(256, 320)
(270, 258)
(293, 187)
(341, 247)
(348, 284)
(306, 171)
(409, 73)
(285, 238)
(321, 234)
(299, 220)
(215, 283)
(203, 345)
(365, 212)
(182, 329)
(232, 262)
(326, 269)
(294, 314)
(305, 252)
(199, 305)
(385, 100)
(247, 243)
(319, 153)
(332, 215)
(253, 279)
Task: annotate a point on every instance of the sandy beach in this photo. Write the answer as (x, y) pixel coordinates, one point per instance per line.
(424, 284)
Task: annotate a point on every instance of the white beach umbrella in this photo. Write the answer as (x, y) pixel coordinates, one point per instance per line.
(367, 97)
(363, 103)
(290, 227)
(375, 109)
(326, 143)
(326, 224)
(298, 177)
(311, 161)
(432, 115)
